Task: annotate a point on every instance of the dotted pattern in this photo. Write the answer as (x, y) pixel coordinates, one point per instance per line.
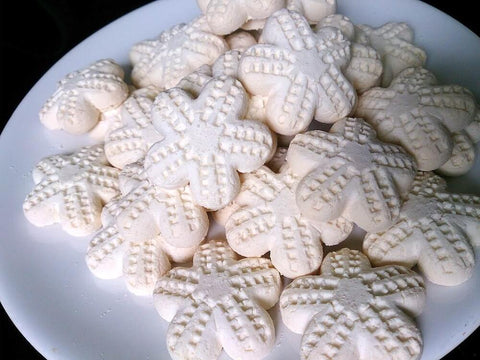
(336, 325)
(435, 230)
(219, 303)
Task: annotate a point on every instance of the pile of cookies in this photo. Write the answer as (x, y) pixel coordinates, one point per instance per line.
(288, 126)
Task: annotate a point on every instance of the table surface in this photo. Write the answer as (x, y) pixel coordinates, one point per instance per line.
(56, 26)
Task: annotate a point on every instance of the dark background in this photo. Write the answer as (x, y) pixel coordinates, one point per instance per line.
(37, 33)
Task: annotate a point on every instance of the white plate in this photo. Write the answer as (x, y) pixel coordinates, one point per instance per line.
(45, 285)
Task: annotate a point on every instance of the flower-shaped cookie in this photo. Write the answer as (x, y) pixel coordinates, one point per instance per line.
(365, 68)
(394, 42)
(206, 142)
(417, 113)
(71, 190)
(353, 311)
(313, 10)
(164, 61)
(226, 16)
(218, 303)
(299, 72)
(143, 230)
(130, 142)
(348, 172)
(435, 230)
(82, 96)
(268, 219)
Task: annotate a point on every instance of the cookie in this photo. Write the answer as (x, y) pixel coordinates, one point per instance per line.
(206, 142)
(83, 95)
(348, 172)
(268, 219)
(164, 61)
(299, 72)
(219, 302)
(71, 190)
(365, 68)
(226, 16)
(435, 230)
(145, 229)
(130, 142)
(353, 311)
(394, 41)
(419, 114)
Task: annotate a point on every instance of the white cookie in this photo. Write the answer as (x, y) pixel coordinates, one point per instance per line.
(354, 311)
(418, 114)
(194, 82)
(177, 52)
(71, 190)
(206, 142)
(299, 72)
(130, 142)
(348, 172)
(394, 42)
(143, 230)
(268, 219)
(313, 10)
(365, 68)
(435, 230)
(82, 96)
(226, 16)
(220, 302)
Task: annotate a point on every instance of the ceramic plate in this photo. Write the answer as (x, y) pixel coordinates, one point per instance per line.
(45, 285)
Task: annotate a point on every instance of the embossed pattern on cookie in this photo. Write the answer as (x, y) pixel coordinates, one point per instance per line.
(299, 72)
(164, 61)
(313, 10)
(395, 43)
(267, 219)
(220, 302)
(436, 230)
(365, 68)
(83, 95)
(419, 114)
(354, 311)
(206, 142)
(348, 172)
(143, 230)
(226, 16)
(130, 142)
(71, 190)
